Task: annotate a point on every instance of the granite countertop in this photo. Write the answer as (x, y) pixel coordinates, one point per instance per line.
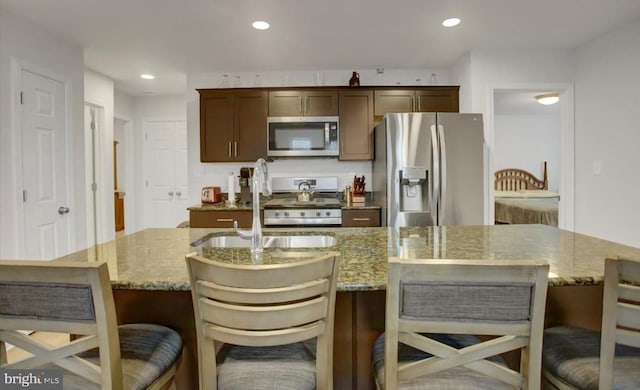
(153, 259)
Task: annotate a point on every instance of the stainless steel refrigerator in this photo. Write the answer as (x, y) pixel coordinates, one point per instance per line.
(429, 169)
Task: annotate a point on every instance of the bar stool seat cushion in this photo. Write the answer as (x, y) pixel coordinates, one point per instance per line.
(146, 351)
(572, 355)
(282, 367)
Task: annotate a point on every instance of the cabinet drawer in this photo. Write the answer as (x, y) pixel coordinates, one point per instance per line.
(361, 218)
(220, 219)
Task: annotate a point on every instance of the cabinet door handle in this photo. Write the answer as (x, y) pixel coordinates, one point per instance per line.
(224, 219)
(306, 105)
(301, 109)
(362, 219)
(235, 148)
(229, 148)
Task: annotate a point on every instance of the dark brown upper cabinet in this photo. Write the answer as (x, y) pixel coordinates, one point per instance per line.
(233, 125)
(303, 103)
(416, 99)
(356, 124)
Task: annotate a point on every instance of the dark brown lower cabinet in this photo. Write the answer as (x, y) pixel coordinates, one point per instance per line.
(361, 218)
(221, 218)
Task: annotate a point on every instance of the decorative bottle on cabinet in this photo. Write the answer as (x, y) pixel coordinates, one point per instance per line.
(354, 81)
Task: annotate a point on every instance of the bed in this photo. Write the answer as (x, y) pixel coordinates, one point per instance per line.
(522, 198)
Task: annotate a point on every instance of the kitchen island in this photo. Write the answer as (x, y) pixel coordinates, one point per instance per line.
(150, 279)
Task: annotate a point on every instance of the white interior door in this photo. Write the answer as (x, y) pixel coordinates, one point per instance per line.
(166, 173)
(44, 167)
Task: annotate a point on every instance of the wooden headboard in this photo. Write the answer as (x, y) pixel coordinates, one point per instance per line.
(512, 179)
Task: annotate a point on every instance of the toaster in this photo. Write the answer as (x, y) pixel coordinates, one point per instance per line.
(211, 195)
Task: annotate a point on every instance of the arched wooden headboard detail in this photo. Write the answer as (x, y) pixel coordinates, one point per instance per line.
(512, 179)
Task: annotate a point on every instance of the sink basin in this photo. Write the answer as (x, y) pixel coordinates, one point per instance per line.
(315, 241)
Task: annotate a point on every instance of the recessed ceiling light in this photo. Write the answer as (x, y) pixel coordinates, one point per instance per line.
(451, 22)
(260, 25)
(548, 98)
(147, 76)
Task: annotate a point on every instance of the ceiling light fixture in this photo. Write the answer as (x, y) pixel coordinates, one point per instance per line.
(451, 22)
(260, 25)
(147, 76)
(548, 98)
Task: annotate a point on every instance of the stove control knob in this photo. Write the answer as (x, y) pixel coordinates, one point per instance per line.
(328, 213)
(286, 213)
(277, 214)
(319, 214)
(302, 214)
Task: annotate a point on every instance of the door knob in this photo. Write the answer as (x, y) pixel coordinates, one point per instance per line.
(170, 193)
(63, 210)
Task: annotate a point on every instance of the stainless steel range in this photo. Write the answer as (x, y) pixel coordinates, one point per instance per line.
(320, 208)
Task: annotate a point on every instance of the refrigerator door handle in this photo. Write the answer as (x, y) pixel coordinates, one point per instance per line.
(443, 175)
(435, 174)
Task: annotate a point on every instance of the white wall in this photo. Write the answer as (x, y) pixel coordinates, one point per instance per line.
(525, 141)
(208, 174)
(607, 82)
(122, 105)
(28, 44)
(460, 74)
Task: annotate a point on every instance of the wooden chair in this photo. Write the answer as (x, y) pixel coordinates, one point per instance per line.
(269, 316)
(434, 307)
(76, 298)
(575, 358)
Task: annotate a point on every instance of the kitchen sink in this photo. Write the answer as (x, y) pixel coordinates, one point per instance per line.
(310, 241)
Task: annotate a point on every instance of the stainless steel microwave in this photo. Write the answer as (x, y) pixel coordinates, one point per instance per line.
(303, 136)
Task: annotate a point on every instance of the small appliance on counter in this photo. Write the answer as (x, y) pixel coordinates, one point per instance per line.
(245, 190)
(211, 195)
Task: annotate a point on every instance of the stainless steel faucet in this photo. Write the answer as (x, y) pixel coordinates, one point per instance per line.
(260, 181)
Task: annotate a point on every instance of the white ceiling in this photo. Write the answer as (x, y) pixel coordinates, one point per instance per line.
(522, 102)
(171, 38)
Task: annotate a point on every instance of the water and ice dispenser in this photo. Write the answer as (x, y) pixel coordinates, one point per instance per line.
(413, 189)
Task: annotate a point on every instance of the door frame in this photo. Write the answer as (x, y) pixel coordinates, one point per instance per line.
(129, 175)
(566, 211)
(17, 66)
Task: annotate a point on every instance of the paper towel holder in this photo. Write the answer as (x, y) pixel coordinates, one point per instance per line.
(231, 190)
